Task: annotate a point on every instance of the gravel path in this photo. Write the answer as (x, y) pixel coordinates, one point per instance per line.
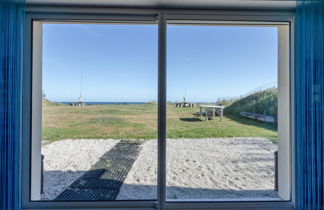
(214, 168)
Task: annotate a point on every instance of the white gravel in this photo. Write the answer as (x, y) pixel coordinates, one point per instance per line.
(66, 160)
(214, 168)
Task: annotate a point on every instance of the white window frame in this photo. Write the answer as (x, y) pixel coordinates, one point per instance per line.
(32, 98)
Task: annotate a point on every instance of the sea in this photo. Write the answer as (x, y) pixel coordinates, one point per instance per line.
(105, 103)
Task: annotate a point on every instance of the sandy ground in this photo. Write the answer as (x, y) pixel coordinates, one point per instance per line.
(66, 160)
(214, 168)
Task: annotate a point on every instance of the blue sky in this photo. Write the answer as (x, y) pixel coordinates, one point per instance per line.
(119, 62)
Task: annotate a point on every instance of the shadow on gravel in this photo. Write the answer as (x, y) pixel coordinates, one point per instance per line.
(148, 192)
(134, 192)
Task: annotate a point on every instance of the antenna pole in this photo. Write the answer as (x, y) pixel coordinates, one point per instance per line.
(81, 88)
(187, 60)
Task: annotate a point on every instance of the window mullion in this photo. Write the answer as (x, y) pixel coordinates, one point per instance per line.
(161, 112)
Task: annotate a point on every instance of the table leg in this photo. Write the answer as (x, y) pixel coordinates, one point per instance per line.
(221, 115)
(206, 114)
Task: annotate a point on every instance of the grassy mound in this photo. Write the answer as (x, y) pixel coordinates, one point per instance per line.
(46, 102)
(262, 102)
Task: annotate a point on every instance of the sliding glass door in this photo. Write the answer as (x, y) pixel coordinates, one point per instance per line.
(156, 114)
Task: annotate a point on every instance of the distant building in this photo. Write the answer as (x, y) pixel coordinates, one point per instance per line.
(185, 103)
(77, 104)
(80, 103)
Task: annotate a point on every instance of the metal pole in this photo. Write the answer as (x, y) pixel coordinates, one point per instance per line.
(42, 174)
(161, 113)
(276, 170)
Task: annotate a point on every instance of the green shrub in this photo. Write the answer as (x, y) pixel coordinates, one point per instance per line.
(262, 102)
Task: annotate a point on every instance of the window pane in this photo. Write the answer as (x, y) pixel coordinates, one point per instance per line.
(99, 112)
(222, 112)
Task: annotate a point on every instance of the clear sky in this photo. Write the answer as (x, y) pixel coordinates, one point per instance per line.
(118, 63)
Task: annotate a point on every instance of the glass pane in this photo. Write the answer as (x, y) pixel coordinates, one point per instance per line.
(99, 112)
(222, 112)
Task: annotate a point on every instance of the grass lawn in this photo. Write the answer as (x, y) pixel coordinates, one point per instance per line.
(140, 122)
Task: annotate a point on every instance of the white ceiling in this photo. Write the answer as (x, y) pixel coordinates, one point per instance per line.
(198, 4)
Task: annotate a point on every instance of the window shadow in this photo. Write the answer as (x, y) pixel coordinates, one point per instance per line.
(145, 192)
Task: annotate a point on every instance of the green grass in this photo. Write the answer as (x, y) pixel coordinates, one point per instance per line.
(140, 122)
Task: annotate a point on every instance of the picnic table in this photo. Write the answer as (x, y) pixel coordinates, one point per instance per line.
(206, 108)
